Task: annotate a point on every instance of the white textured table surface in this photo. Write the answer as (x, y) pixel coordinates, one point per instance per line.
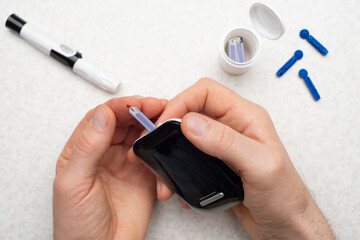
(158, 48)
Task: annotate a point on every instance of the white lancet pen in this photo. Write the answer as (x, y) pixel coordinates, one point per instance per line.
(64, 54)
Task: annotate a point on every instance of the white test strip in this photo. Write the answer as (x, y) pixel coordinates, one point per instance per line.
(236, 50)
(138, 115)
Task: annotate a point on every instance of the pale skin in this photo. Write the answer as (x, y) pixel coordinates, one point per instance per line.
(102, 191)
(98, 194)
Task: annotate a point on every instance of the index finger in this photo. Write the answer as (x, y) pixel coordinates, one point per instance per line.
(124, 120)
(128, 129)
(149, 106)
(215, 100)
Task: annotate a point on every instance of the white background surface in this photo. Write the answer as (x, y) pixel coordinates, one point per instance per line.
(158, 48)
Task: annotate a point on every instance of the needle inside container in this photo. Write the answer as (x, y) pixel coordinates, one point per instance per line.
(141, 118)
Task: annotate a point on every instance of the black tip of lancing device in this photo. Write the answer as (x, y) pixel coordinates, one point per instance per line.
(15, 23)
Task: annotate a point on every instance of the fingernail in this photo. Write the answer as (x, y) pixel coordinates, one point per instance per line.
(138, 96)
(99, 119)
(158, 186)
(196, 124)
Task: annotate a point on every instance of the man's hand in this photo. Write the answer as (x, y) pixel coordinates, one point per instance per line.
(98, 194)
(219, 122)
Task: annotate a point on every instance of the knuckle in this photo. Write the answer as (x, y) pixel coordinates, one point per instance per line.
(225, 139)
(205, 81)
(84, 145)
(59, 185)
(261, 123)
(263, 112)
(275, 163)
(61, 162)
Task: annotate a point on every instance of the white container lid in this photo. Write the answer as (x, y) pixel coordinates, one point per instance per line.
(266, 21)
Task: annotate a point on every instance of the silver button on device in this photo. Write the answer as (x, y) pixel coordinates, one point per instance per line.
(211, 199)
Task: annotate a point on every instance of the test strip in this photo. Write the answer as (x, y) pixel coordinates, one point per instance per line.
(138, 115)
(232, 49)
(236, 50)
(240, 50)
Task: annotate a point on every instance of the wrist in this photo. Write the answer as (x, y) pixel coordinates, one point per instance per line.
(306, 223)
(310, 224)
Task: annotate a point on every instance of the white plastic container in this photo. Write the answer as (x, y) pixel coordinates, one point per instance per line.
(266, 22)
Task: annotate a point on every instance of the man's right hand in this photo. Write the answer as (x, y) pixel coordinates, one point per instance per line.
(219, 122)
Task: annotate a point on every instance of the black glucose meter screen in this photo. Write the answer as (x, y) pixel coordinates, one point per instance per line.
(184, 168)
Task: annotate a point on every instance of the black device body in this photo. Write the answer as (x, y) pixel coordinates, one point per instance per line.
(202, 181)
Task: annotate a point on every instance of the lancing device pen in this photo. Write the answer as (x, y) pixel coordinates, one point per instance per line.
(64, 54)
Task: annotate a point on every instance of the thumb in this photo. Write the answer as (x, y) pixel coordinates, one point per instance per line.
(92, 143)
(218, 140)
